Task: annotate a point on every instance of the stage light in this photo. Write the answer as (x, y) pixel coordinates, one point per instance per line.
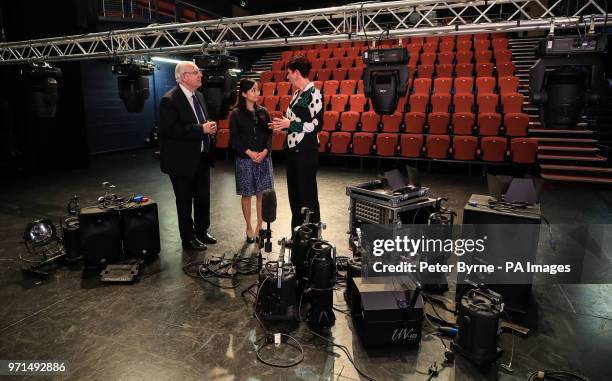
(568, 75)
(41, 85)
(385, 78)
(133, 83)
(219, 80)
(40, 233)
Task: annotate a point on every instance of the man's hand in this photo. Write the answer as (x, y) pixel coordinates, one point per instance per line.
(209, 127)
(279, 124)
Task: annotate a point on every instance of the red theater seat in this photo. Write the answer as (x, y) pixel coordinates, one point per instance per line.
(286, 56)
(331, 63)
(222, 138)
(446, 57)
(340, 142)
(465, 147)
(338, 52)
(330, 120)
(483, 56)
(505, 69)
(484, 69)
(428, 58)
(268, 89)
(317, 64)
(516, 124)
(439, 116)
(493, 148)
(330, 87)
(430, 47)
(283, 103)
(464, 70)
(357, 102)
(318, 84)
(508, 85)
(415, 118)
(503, 55)
(347, 62)
(464, 85)
(464, 56)
(324, 74)
(485, 85)
(323, 141)
(348, 86)
(270, 103)
(425, 71)
(278, 140)
(391, 123)
(411, 145)
(283, 88)
(339, 102)
(386, 144)
(352, 52)
(266, 76)
(512, 102)
(355, 73)
(488, 118)
(524, 150)
(349, 121)
(447, 46)
(362, 143)
(464, 45)
(463, 117)
(443, 70)
(279, 76)
(482, 44)
(442, 86)
(278, 65)
(339, 74)
(500, 44)
(422, 86)
(437, 146)
(312, 54)
(370, 121)
(325, 53)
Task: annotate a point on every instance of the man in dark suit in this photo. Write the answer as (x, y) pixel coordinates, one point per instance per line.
(185, 144)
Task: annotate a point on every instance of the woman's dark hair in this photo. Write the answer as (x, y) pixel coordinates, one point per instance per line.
(301, 64)
(246, 84)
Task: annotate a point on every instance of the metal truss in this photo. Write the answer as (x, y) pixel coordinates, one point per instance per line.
(356, 21)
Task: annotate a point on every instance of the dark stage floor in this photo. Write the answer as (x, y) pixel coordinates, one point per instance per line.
(172, 327)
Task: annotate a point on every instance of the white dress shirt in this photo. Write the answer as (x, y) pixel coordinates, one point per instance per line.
(189, 94)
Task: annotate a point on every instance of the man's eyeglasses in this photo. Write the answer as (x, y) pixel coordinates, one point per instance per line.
(195, 72)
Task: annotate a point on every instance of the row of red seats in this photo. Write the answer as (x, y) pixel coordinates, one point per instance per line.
(467, 148)
(337, 53)
(327, 63)
(483, 69)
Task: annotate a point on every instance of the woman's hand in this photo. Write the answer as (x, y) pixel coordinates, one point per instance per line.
(252, 154)
(279, 124)
(261, 156)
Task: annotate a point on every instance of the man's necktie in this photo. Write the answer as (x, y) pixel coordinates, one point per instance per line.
(201, 119)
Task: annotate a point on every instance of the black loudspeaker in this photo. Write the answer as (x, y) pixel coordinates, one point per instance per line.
(478, 320)
(41, 83)
(133, 91)
(140, 231)
(100, 236)
(385, 78)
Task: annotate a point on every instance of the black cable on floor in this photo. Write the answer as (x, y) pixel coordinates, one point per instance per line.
(556, 375)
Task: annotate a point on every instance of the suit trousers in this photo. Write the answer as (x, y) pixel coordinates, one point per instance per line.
(302, 184)
(193, 191)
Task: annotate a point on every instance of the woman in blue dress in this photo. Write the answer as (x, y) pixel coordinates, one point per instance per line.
(252, 142)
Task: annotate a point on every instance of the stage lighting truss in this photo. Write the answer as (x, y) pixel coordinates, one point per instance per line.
(357, 21)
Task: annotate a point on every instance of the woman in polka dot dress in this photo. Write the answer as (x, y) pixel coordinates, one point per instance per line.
(303, 120)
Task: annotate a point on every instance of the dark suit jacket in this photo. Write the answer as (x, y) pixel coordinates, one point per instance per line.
(180, 134)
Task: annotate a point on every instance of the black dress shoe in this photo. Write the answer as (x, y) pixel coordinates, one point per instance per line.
(250, 239)
(207, 238)
(194, 244)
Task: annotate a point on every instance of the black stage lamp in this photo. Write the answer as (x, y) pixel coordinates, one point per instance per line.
(385, 78)
(41, 86)
(40, 237)
(219, 80)
(133, 83)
